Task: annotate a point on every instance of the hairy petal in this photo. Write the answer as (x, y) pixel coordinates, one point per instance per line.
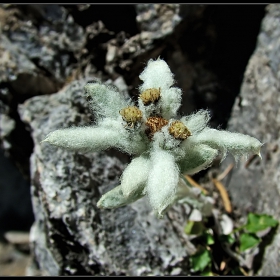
(170, 102)
(109, 133)
(84, 139)
(131, 141)
(115, 198)
(196, 122)
(135, 176)
(105, 100)
(197, 157)
(235, 143)
(156, 75)
(167, 106)
(162, 181)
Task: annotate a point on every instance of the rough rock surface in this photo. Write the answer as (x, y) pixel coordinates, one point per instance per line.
(44, 48)
(255, 186)
(71, 236)
(39, 49)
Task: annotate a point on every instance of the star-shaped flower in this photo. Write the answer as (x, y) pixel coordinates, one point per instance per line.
(163, 145)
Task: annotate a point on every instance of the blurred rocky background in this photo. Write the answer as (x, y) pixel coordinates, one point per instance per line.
(224, 57)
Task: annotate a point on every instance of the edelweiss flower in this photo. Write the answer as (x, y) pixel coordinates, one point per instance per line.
(162, 144)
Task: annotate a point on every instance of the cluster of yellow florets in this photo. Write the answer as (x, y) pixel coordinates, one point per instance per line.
(132, 115)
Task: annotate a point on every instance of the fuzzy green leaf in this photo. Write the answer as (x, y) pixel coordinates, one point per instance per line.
(115, 198)
(197, 158)
(105, 100)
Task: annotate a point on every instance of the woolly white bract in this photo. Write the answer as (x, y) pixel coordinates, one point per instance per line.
(163, 145)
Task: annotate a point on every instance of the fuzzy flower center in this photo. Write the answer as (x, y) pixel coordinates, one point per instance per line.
(131, 115)
(150, 95)
(155, 124)
(179, 131)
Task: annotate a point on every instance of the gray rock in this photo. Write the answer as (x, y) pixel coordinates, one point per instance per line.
(71, 236)
(49, 38)
(255, 186)
(156, 22)
(39, 48)
(44, 46)
(158, 18)
(7, 125)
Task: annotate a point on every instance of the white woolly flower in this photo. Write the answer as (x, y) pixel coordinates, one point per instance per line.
(163, 145)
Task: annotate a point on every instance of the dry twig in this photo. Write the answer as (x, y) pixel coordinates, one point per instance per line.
(195, 184)
(223, 194)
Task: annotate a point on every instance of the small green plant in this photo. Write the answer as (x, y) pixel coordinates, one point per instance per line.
(163, 144)
(231, 246)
